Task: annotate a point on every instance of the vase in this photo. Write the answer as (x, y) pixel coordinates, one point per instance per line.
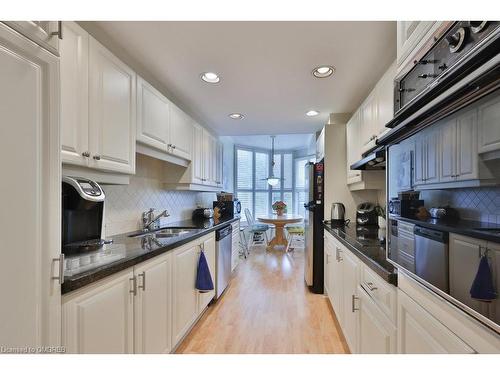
(280, 212)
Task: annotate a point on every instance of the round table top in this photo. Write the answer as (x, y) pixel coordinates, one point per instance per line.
(287, 219)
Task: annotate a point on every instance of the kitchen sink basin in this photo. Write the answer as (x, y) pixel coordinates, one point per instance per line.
(166, 232)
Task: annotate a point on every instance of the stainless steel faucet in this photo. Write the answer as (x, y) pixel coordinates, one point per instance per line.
(150, 221)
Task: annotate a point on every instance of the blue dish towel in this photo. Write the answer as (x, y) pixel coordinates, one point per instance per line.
(482, 288)
(204, 281)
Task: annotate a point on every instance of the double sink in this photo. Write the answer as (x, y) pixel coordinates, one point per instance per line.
(167, 232)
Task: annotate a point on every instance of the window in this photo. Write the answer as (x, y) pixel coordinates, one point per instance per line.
(252, 169)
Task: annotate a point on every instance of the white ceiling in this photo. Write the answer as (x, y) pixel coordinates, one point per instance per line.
(281, 142)
(265, 68)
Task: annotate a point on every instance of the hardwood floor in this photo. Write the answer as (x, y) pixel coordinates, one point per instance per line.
(267, 309)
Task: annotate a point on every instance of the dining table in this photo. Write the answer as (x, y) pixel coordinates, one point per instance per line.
(279, 221)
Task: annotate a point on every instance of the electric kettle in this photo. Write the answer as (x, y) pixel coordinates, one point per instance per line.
(338, 213)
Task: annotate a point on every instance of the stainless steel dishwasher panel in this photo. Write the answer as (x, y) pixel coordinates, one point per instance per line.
(431, 257)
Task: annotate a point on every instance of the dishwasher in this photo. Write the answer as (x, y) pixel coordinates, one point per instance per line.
(223, 253)
(431, 257)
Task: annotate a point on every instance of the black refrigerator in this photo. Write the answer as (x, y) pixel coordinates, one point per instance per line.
(313, 225)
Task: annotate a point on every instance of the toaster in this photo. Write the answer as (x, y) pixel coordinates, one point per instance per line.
(366, 214)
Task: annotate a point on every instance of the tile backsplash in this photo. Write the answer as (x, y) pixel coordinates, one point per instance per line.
(482, 204)
(125, 203)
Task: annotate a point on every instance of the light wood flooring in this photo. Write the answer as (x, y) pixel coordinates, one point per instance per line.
(267, 309)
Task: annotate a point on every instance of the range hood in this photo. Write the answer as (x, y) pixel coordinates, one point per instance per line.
(373, 160)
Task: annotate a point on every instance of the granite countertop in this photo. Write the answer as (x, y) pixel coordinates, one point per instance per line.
(363, 241)
(126, 251)
(490, 232)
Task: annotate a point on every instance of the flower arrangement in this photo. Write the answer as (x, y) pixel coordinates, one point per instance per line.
(279, 207)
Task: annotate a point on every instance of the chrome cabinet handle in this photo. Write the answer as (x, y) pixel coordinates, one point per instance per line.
(142, 275)
(371, 287)
(97, 157)
(59, 31)
(169, 146)
(60, 277)
(86, 154)
(133, 291)
(173, 147)
(339, 258)
(354, 308)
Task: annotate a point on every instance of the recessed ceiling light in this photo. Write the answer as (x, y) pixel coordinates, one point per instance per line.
(210, 77)
(312, 113)
(323, 71)
(236, 116)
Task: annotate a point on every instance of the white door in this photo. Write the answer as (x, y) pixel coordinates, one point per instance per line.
(352, 146)
(214, 160)
(328, 265)
(112, 116)
(184, 294)
(197, 163)
(351, 303)
(432, 157)
(44, 33)
(74, 50)
(207, 157)
(377, 334)
(337, 284)
(181, 133)
(153, 306)
(100, 319)
(488, 129)
(30, 216)
(209, 248)
(368, 125)
(420, 333)
(448, 150)
(385, 99)
(220, 166)
(153, 116)
(420, 160)
(467, 157)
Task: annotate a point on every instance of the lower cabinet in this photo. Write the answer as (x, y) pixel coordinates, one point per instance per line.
(146, 309)
(377, 334)
(420, 333)
(350, 327)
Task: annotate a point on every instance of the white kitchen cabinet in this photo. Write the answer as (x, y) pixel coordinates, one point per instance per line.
(112, 116)
(369, 125)
(153, 116)
(337, 283)
(411, 35)
(220, 164)
(235, 254)
(44, 33)
(329, 251)
(489, 125)
(208, 246)
(385, 100)
(197, 165)
(377, 333)
(421, 333)
(100, 318)
(30, 217)
(181, 133)
(351, 270)
(74, 64)
(153, 306)
(427, 157)
(353, 131)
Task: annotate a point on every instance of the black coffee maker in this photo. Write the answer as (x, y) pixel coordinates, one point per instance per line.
(82, 215)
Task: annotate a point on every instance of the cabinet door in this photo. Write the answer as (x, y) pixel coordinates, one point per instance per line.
(209, 248)
(352, 147)
(153, 116)
(432, 157)
(112, 104)
(377, 334)
(44, 33)
(184, 294)
(489, 130)
(337, 284)
(420, 159)
(74, 73)
(207, 157)
(409, 35)
(100, 319)
(181, 133)
(385, 99)
(368, 126)
(220, 160)
(328, 266)
(153, 306)
(198, 161)
(30, 217)
(350, 285)
(420, 333)
(448, 150)
(467, 157)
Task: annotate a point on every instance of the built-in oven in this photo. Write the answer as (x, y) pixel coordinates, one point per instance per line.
(458, 77)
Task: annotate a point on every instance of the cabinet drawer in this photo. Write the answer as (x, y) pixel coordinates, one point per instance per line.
(406, 244)
(382, 293)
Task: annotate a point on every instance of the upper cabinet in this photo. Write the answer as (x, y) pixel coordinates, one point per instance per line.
(489, 128)
(181, 133)
(410, 34)
(48, 34)
(98, 105)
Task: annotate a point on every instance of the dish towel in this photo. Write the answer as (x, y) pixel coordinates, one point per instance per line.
(482, 288)
(204, 281)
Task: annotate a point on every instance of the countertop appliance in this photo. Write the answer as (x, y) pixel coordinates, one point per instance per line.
(82, 215)
(366, 214)
(337, 213)
(223, 251)
(405, 207)
(228, 209)
(313, 224)
(443, 213)
(431, 257)
(203, 213)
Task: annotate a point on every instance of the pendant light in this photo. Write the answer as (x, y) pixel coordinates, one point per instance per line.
(271, 180)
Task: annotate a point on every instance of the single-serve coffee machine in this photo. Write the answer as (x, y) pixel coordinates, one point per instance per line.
(82, 215)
